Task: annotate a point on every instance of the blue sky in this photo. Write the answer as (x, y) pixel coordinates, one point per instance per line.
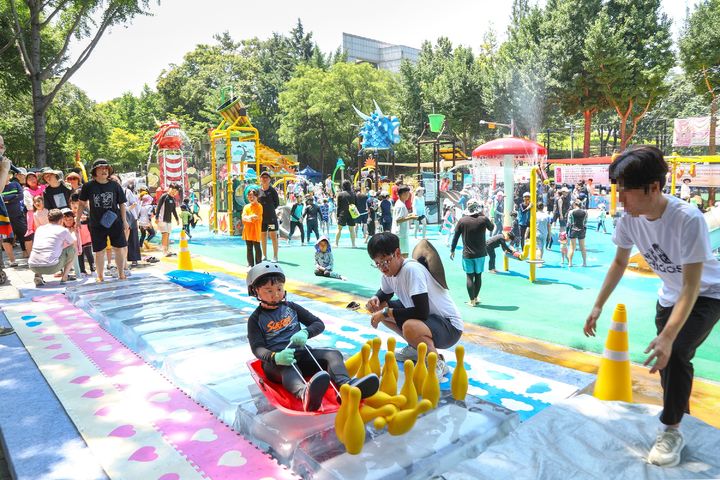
(130, 56)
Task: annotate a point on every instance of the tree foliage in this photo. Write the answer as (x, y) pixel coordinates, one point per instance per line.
(629, 47)
(42, 32)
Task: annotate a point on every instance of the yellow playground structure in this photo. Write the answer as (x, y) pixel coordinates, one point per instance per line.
(236, 159)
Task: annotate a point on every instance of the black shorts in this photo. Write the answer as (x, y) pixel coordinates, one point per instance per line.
(271, 226)
(345, 219)
(444, 334)
(579, 234)
(100, 235)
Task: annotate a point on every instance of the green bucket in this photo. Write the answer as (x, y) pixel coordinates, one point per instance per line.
(436, 121)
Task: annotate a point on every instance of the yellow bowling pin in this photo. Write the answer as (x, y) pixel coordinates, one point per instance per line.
(368, 413)
(382, 398)
(354, 430)
(352, 364)
(341, 414)
(431, 386)
(459, 381)
(365, 365)
(379, 423)
(420, 368)
(391, 348)
(408, 389)
(375, 356)
(404, 420)
(388, 382)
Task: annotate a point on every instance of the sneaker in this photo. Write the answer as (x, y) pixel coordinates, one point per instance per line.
(407, 353)
(6, 331)
(315, 391)
(441, 368)
(666, 451)
(368, 385)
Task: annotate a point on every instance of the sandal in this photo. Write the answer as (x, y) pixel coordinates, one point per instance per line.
(39, 282)
(353, 305)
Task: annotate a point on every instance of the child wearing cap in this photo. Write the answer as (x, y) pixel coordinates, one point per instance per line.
(325, 217)
(311, 214)
(401, 217)
(185, 218)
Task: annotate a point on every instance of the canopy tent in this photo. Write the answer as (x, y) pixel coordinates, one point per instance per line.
(311, 174)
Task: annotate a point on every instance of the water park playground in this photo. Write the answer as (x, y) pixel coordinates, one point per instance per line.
(151, 380)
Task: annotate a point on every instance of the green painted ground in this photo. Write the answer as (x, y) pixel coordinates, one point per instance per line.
(553, 309)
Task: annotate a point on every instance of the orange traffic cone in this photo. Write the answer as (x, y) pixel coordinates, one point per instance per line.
(613, 379)
(184, 261)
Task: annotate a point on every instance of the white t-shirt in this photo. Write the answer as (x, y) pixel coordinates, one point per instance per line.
(414, 279)
(679, 237)
(49, 242)
(400, 211)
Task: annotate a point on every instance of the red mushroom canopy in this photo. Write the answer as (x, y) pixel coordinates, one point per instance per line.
(509, 146)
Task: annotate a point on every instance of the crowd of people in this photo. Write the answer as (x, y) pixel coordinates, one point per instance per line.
(70, 228)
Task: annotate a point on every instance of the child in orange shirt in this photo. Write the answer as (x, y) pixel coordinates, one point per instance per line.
(252, 224)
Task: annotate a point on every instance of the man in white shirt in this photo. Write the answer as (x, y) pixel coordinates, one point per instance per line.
(424, 313)
(673, 237)
(53, 249)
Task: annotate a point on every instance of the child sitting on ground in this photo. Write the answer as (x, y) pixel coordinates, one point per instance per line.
(278, 331)
(324, 260)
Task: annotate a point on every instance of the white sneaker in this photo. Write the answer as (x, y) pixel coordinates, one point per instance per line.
(666, 451)
(407, 353)
(441, 368)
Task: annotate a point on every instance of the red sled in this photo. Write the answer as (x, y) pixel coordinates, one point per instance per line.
(284, 400)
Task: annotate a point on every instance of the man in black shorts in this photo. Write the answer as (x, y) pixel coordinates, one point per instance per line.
(106, 201)
(424, 312)
(269, 199)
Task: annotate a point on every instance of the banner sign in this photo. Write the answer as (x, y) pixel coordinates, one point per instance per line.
(485, 175)
(705, 176)
(242, 151)
(693, 132)
(572, 174)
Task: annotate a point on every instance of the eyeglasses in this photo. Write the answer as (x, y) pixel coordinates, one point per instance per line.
(383, 264)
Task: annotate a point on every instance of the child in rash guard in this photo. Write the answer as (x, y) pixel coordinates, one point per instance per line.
(278, 331)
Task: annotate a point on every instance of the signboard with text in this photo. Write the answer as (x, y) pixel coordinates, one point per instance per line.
(574, 173)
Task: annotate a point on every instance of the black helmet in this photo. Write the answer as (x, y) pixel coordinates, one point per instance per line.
(259, 271)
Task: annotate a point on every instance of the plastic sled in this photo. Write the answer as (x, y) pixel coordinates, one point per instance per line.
(188, 278)
(284, 400)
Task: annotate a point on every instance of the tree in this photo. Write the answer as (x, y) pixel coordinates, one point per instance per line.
(317, 117)
(43, 60)
(629, 46)
(571, 85)
(521, 71)
(700, 56)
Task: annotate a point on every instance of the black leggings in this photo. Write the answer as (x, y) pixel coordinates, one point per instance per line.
(313, 227)
(86, 253)
(254, 252)
(523, 229)
(677, 377)
(299, 225)
(330, 359)
(149, 231)
(473, 282)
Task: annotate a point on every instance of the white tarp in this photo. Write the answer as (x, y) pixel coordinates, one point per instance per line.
(583, 437)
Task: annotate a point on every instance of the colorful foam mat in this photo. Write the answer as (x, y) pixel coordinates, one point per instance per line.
(135, 421)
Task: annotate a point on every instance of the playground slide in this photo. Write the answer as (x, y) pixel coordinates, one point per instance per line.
(713, 220)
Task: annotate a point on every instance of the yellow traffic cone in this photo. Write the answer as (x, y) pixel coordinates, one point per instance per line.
(184, 261)
(613, 379)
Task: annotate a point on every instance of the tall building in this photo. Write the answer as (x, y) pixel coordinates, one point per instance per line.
(384, 56)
